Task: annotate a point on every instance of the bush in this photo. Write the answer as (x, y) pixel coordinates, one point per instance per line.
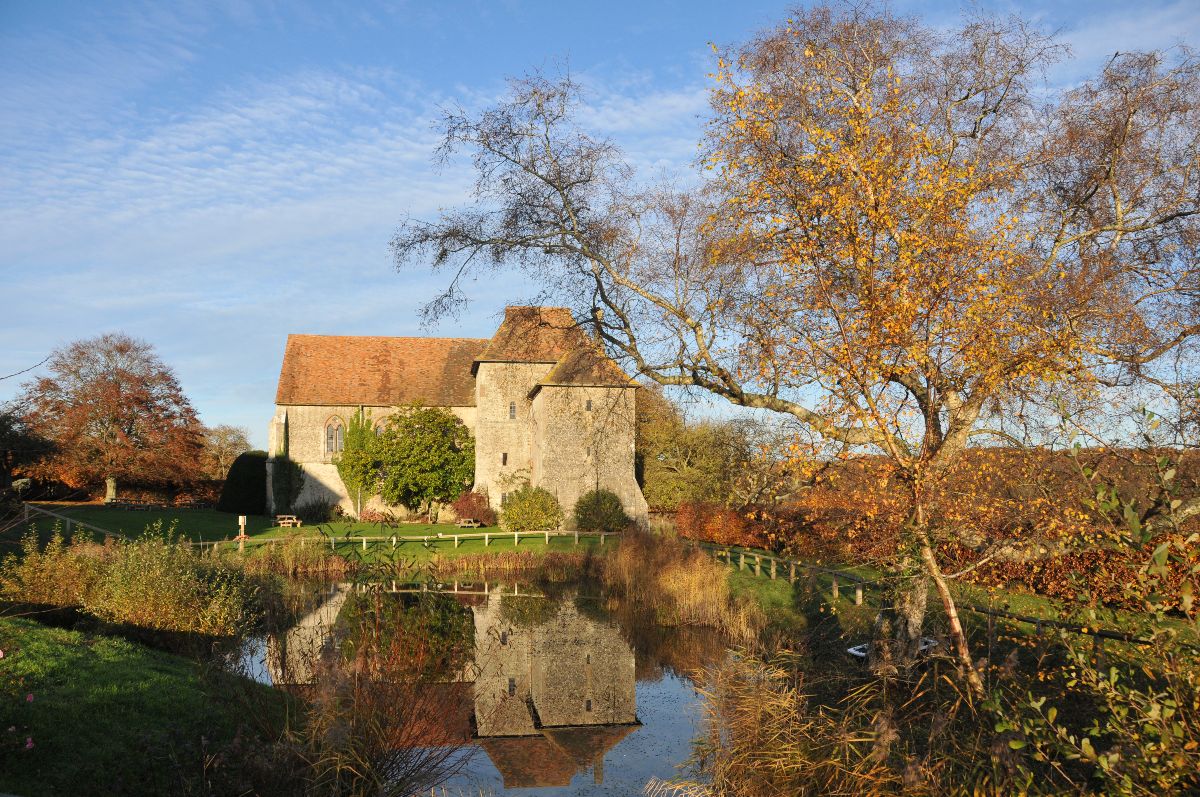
(245, 489)
(317, 510)
(600, 510)
(530, 508)
(159, 582)
(474, 505)
(61, 574)
(153, 582)
(376, 516)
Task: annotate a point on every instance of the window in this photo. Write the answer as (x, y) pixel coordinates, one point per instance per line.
(512, 410)
(504, 458)
(587, 706)
(589, 405)
(334, 436)
(379, 427)
(512, 686)
(503, 499)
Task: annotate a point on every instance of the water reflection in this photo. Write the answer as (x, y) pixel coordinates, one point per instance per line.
(551, 691)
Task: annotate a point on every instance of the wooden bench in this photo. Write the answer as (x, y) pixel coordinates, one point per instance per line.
(288, 521)
(469, 523)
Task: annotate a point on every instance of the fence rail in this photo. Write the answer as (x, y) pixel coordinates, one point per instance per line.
(753, 561)
(68, 521)
(398, 540)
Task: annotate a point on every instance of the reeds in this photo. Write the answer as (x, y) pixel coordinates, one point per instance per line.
(154, 582)
(292, 558)
(679, 584)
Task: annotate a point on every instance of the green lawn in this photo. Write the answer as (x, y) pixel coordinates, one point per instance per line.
(208, 525)
(109, 716)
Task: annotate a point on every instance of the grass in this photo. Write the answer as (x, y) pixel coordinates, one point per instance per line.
(211, 525)
(107, 716)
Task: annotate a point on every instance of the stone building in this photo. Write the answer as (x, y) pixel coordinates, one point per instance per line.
(544, 403)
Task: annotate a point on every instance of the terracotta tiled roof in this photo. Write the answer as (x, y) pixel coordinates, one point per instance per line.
(534, 335)
(378, 371)
(552, 758)
(587, 365)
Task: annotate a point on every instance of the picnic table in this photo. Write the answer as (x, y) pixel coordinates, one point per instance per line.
(469, 523)
(288, 521)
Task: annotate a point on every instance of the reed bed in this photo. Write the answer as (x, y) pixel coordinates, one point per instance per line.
(551, 566)
(292, 558)
(680, 584)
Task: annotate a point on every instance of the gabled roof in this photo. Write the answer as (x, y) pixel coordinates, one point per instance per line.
(553, 757)
(533, 335)
(378, 371)
(586, 366)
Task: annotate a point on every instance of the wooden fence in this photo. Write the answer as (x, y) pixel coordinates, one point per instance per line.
(793, 570)
(395, 541)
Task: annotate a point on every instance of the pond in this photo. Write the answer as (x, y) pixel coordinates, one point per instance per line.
(535, 693)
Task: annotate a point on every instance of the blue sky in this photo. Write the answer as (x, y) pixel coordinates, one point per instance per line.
(210, 177)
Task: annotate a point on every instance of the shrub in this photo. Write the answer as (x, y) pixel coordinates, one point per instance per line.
(376, 516)
(245, 489)
(600, 510)
(153, 582)
(61, 574)
(530, 508)
(159, 582)
(287, 482)
(317, 510)
(475, 505)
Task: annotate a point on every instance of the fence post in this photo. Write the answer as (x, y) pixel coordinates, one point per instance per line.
(393, 542)
(741, 560)
(487, 539)
(858, 593)
(835, 586)
(757, 565)
(67, 527)
(516, 540)
(364, 540)
(1098, 651)
(547, 536)
(791, 572)
(456, 545)
(773, 563)
(331, 545)
(602, 537)
(576, 536)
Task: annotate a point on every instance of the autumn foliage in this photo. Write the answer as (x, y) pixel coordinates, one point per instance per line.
(113, 411)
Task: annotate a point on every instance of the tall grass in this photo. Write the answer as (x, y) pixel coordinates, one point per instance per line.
(680, 584)
(550, 565)
(154, 582)
(292, 558)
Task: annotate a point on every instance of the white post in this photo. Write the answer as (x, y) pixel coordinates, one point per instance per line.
(364, 539)
(547, 536)
(487, 539)
(516, 541)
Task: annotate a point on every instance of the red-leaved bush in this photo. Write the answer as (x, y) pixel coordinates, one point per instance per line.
(474, 505)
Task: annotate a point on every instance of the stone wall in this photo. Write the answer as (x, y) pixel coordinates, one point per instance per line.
(577, 449)
(497, 385)
(301, 429)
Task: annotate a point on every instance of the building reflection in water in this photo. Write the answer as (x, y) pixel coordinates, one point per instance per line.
(553, 682)
(554, 689)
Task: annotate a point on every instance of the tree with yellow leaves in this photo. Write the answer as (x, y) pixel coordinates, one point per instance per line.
(901, 233)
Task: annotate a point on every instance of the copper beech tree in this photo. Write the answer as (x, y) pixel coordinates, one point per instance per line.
(114, 412)
(900, 233)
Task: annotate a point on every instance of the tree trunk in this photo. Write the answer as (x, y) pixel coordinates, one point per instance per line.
(958, 639)
(110, 489)
(897, 632)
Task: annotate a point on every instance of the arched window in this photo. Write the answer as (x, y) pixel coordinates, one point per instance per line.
(512, 410)
(335, 437)
(380, 427)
